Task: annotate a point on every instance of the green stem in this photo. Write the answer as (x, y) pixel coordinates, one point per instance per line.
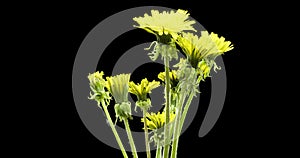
(112, 126)
(158, 150)
(186, 108)
(131, 142)
(182, 119)
(146, 135)
(176, 131)
(167, 117)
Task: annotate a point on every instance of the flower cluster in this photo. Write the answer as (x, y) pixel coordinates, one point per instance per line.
(181, 81)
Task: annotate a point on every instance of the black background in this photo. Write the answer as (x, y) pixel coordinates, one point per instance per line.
(229, 134)
(54, 127)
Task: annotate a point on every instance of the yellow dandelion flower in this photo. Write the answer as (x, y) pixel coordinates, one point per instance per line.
(197, 48)
(142, 89)
(207, 47)
(166, 22)
(222, 45)
(157, 120)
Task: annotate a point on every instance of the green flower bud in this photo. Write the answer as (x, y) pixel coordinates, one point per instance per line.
(144, 104)
(123, 110)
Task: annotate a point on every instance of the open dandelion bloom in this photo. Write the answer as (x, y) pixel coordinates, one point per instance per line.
(157, 120)
(97, 85)
(142, 89)
(165, 23)
(197, 48)
(207, 47)
(223, 46)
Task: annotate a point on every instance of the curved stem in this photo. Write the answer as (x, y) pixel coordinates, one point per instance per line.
(146, 135)
(167, 117)
(131, 142)
(112, 126)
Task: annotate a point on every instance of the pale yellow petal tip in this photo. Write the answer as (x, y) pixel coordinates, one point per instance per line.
(183, 11)
(222, 45)
(97, 74)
